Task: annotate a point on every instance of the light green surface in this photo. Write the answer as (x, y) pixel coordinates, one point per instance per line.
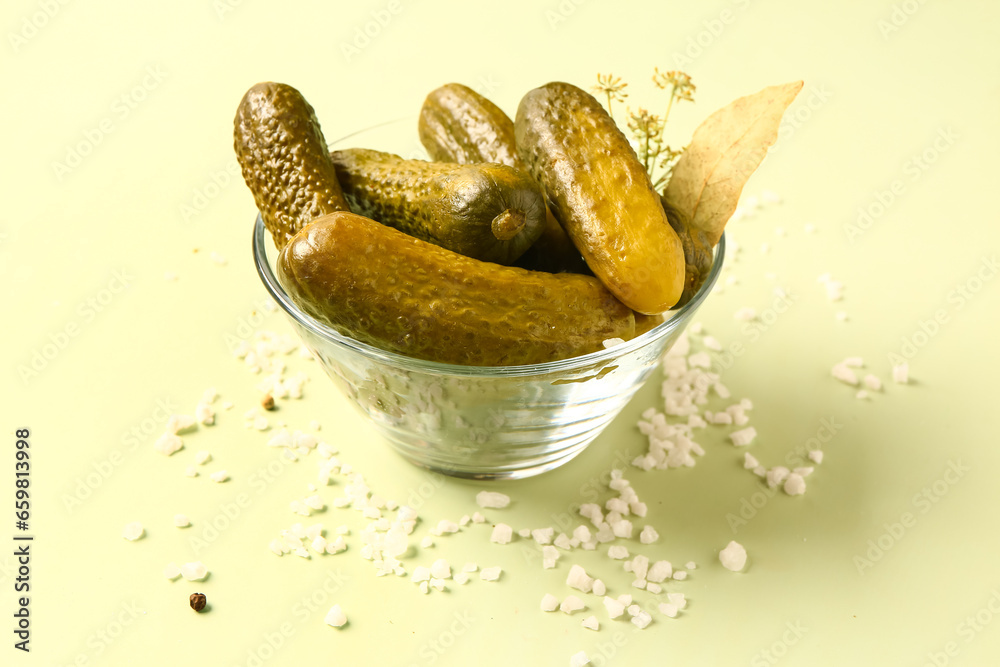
(873, 101)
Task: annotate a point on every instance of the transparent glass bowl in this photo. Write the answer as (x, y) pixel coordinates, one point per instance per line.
(481, 422)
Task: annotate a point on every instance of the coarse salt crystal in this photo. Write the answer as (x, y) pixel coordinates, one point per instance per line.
(178, 424)
(478, 518)
(168, 443)
(195, 571)
(502, 534)
(700, 360)
(743, 437)
(648, 535)
(171, 571)
(733, 557)
(745, 314)
(691, 565)
(614, 607)
(600, 588)
(219, 476)
(844, 373)
(336, 617)
(202, 457)
(549, 602)
(612, 342)
(543, 535)
(749, 462)
(579, 659)
(668, 609)
(570, 604)
(524, 532)
(901, 373)
(133, 531)
(659, 571)
(816, 456)
(678, 599)
(639, 583)
(591, 623)
(642, 619)
(492, 500)
(490, 573)
(579, 579)
(655, 589)
(795, 485)
(461, 578)
(563, 542)
(445, 526)
(204, 413)
(181, 521)
(440, 569)
(191, 471)
(680, 575)
(873, 383)
(777, 475)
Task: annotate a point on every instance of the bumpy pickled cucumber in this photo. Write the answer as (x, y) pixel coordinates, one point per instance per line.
(490, 212)
(398, 293)
(283, 155)
(601, 194)
(457, 124)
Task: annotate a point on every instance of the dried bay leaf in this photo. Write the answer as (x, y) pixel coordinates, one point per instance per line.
(724, 151)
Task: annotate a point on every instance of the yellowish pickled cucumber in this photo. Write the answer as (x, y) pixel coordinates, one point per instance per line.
(398, 293)
(284, 158)
(602, 195)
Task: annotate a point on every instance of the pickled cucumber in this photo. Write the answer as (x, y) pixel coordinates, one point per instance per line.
(489, 211)
(399, 293)
(283, 155)
(457, 124)
(601, 194)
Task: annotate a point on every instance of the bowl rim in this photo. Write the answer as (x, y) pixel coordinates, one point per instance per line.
(404, 362)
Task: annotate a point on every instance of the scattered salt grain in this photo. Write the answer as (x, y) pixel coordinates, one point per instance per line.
(743, 437)
(492, 500)
(178, 424)
(659, 571)
(733, 557)
(841, 316)
(777, 475)
(168, 443)
(461, 578)
(204, 413)
(195, 571)
(862, 394)
(691, 565)
(133, 531)
(600, 588)
(795, 485)
(591, 623)
(171, 571)
(202, 457)
(445, 526)
(901, 373)
(440, 569)
(668, 609)
(490, 573)
(478, 518)
(219, 476)
(680, 575)
(843, 373)
(335, 617)
(745, 314)
(502, 534)
(615, 607)
(181, 521)
(549, 602)
(579, 579)
(570, 604)
(218, 258)
(648, 535)
(655, 589)
(749, 462)
(579, 659)
(816, 456)
(677, 599)
(543, 535)
(642, 619)
(191, 471)
(873, 383)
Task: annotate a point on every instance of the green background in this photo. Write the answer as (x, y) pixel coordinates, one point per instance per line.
(899, 96)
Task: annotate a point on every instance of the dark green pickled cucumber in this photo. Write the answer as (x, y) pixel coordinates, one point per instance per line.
(698, 256)
(602, 195)
(283, 155)
(490, 211)
(398, 293)
(457, 124)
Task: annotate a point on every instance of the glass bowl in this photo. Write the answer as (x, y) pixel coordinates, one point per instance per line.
(482, 422)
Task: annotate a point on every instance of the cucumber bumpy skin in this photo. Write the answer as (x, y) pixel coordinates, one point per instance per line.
(601, 194)
(457, 124)
(490, 212)
(398, 293)
(283, 155)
